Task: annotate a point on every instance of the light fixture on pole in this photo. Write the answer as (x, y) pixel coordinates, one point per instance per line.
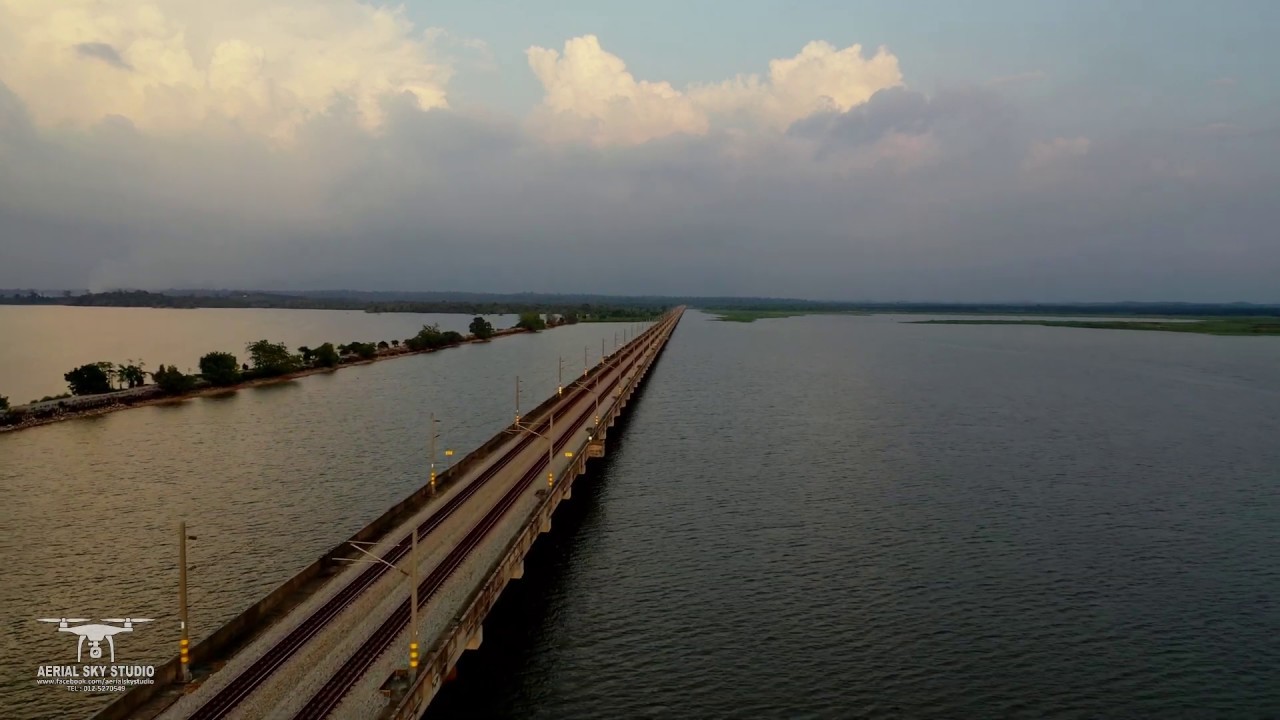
(184, 643)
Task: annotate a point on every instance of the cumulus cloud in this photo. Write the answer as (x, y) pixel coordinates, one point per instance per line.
(826, 177)
(589, 93)
(264, 67)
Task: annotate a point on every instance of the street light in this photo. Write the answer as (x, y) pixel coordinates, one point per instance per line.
(517, 399)
(560, 378)
(185, 642)
(412, 576)
(447, 452)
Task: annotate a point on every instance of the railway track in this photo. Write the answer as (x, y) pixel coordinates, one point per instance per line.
(235, 692)
(331, 695)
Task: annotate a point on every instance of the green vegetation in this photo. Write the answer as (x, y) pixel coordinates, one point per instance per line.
(326, 356)
(588, 307)
(131, 375)
(91, 379)
(271, 359)
(1206, 326)
(220, 368)
(4, 404)
(362, 350)
(173, 381)
(531, 321)
(481, 328)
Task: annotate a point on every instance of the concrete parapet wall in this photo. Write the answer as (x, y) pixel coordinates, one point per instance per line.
(443, 654)
(240, 630)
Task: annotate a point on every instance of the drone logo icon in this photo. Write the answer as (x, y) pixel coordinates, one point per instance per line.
(95, 633)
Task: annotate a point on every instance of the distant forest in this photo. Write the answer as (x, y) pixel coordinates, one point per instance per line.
(577, 307)
(588, 307)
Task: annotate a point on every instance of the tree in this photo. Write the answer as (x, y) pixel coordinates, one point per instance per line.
(132, 374)
(395, 343)
(326, 356)
(4, 404)
(88, 379)
(531, 321)
(571, 318)
(306, 354)
(383, 345)
(220, 368)
(271, 359)
(172, 380)
(481, 328)
(428, 338)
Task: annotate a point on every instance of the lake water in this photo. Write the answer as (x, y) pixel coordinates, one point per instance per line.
(42, 343)
(824, 517)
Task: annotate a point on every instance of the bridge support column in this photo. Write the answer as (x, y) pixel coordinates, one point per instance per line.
(517, 572)
(545, 526)
(474, 642)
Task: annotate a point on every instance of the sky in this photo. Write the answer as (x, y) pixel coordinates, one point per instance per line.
(923, 151)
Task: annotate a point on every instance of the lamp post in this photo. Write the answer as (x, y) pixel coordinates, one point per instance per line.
(447, 452)
(412, 575)
(517, 399)
(560, 378)
(184, 642)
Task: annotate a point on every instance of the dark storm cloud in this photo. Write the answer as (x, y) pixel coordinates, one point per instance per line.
(103, 52)
(953, 196)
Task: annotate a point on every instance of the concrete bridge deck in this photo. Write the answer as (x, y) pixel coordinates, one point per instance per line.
(345, 650)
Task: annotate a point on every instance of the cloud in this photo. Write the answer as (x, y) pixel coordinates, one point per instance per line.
(1049, 152)
(1224, 82)
(826, 177)
(103, 52)
(589, 93)
(267, 68)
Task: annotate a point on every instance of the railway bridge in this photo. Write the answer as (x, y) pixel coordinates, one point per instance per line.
(376, 627)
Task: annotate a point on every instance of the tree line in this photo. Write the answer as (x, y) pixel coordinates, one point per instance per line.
(264, 359)
(617, 310)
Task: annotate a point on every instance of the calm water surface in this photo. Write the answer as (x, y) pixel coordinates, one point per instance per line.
(849, 517)
(813, 517)
(42, 343)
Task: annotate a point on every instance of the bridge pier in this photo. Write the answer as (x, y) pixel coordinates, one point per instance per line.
(477, 639)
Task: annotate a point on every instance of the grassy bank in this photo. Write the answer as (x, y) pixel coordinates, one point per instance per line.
(1204, 326)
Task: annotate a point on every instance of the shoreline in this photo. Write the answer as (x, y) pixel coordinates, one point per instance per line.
(126, 403)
